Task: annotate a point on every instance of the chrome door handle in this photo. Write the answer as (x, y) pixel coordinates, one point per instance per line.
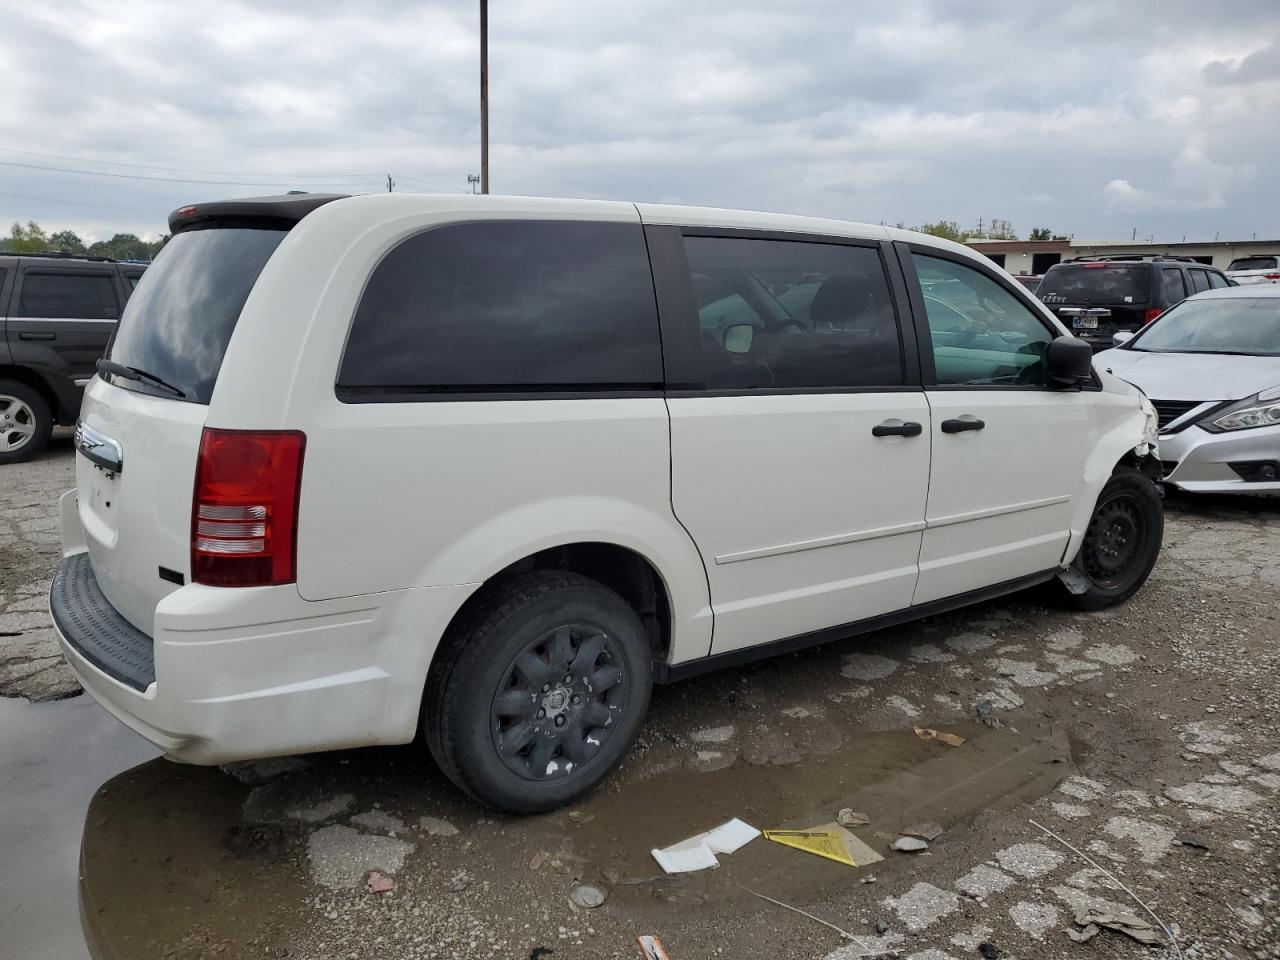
(892, 428)
(962, 425)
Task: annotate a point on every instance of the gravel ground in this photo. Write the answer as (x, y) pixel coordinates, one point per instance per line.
(1146, 738)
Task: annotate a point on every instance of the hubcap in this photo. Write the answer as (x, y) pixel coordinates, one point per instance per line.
(1113, 541)
(559, 702)
(17, 423)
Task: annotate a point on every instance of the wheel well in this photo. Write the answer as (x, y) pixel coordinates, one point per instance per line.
(1147, 464)
(37, 383)
(623, 571)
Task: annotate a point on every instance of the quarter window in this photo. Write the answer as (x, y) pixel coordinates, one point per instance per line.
(787, 314)
(1217, 281)
(981, 332)
(1173, 286)
(523, 305)
(86, 296)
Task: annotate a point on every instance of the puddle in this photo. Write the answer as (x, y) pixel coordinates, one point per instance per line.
(53, 756)
(171, 865)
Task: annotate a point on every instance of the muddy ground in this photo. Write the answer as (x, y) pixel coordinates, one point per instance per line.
(1148, 738)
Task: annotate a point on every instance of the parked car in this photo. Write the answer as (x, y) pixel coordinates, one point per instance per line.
(1251, 270)
(487, 468)
(1213, 362)
(1030, 280)
(57, 312)
(1098, 296)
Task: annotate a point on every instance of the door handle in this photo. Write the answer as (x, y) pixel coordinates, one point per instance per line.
(28, 335)
(891, 428)
(962, 425)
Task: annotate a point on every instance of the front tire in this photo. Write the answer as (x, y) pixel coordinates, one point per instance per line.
(538, 691)
(26, 422)
(1122, 541)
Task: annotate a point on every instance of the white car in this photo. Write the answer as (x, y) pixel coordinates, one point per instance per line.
(485, 468)
(1251, 270)
(1211, 366)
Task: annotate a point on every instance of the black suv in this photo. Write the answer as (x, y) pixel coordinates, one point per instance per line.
(1098, 296)
(57, 312)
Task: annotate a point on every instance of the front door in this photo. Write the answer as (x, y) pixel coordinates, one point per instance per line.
(800, 461)
(1007, 448)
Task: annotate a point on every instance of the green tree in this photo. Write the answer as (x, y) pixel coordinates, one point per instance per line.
(947, 229)
(1040, 233)
(28, 239)
(122, 246)
(67, 240)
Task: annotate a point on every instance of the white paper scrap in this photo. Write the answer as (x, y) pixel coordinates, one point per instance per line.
(699, 853)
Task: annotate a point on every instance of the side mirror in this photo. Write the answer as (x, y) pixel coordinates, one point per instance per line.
(738, 338)
(1121, 336)
(1068, 361)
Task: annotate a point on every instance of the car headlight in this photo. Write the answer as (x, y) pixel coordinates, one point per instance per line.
(1260, 410)
(1151, 429)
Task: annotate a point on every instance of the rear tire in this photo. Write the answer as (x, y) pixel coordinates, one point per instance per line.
(1122, 541)
(26, 422)
(538, 691)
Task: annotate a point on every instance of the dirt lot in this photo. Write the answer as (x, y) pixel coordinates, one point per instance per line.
(1148, 738)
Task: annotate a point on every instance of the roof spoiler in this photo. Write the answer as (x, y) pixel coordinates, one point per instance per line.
(283, 210)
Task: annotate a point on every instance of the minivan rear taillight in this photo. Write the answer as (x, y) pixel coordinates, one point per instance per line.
(245, 508)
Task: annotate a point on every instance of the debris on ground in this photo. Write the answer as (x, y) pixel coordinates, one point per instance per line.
(848, 817)
(588, 897)
(651, 948)
(577, 816)
(909, 845)
(379, 882)
(1084, 935)
(537, 953)
(925, 831)
(950, 739)
(829, 840)
(868, 950)
(1122, 921)
(1191, 840)
(985, 710)
(699, 852)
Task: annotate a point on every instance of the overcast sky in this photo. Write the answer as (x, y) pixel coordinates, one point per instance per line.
(1090, 118)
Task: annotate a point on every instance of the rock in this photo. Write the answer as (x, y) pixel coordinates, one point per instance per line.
(925, 831)
(848, 817)
(910, 844)
(588, 897)
(881, 928)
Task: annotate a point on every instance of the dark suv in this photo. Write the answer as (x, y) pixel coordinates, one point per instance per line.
(57, 313)
(1098, 296)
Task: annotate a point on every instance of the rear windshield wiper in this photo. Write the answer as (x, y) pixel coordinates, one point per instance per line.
(134, 373)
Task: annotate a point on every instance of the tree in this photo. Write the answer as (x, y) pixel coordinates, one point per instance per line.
(28, 239)
(67, 240)
(123, 246)
(947, 229)
(1000, 230)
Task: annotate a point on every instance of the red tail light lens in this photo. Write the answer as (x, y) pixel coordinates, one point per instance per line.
(244, 513)
(1271, 276)
(1151, 315)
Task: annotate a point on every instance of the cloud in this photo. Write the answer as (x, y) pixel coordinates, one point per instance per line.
(914, 111)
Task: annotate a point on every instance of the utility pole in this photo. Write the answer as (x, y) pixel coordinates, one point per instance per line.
(390, 183)
(484, 96)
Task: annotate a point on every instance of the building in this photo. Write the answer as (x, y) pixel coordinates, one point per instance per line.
(1037, 256)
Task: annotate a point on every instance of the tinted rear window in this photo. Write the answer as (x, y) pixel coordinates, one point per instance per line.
(1254, 263)
(1096, 283)
(179, 319)
(523, 305)
(86, 296)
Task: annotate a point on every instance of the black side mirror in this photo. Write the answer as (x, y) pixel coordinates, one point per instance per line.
(1068, 362)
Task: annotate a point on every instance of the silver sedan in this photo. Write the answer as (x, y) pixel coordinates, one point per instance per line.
(1211, 367)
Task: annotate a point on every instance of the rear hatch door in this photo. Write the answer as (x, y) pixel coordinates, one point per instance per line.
(139, 432)
(1096, 298)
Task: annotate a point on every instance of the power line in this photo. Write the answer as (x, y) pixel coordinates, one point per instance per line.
(218, 173)
(138, 176)
(430, 183)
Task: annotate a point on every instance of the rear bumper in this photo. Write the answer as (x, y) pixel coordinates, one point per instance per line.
(256, 672)
(1198, 461)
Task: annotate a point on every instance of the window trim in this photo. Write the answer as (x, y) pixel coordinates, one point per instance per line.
(20, 286)
(474, 392)
(905, 250)
(678, 311)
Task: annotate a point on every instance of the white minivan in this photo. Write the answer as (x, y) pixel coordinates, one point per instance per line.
(483, 469)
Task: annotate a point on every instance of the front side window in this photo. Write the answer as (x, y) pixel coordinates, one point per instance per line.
(508, 305)
(982, 333)
(1199, 280)
(85, 296)
(1173, 285)
(779, 314)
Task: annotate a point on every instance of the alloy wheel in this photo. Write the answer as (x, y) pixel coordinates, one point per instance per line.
(17, 423)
